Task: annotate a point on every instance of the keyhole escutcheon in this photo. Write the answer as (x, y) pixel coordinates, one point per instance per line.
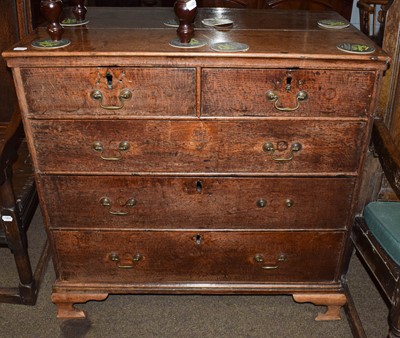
(197, 239)
(199, 186)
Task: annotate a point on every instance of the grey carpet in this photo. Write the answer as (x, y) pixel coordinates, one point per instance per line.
(148, 316)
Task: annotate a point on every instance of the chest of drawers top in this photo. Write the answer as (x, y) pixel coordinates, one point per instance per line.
(276, 38)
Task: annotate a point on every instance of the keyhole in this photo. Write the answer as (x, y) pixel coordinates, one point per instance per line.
(288, 83)
(197, 239)
(199, 186)
(109, 79)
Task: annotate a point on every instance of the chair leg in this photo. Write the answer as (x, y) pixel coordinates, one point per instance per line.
(13, 232)
(394, 320)
(352, 315)
(27, 287)
(29, 293)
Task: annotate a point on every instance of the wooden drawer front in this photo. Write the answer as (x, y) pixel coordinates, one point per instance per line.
(67, 91)
(191, 203)
(154, 257)
(202, 146)
(329, 93)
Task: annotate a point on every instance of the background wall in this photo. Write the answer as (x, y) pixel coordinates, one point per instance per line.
(355, 16)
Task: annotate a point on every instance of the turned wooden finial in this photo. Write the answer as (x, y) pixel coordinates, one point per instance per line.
(79, 10)
(51, 10)
(185, 10)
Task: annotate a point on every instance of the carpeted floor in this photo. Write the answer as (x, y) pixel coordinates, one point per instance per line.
(184, 316)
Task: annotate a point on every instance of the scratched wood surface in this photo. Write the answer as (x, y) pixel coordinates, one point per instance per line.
(214, 257)
(197, 202)
(206, 147)
(134, 32)
(155, 92)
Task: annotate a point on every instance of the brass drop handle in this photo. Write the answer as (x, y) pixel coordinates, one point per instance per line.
(272, 96)
(259, 258)
(270, 149)
(125, 94)
(106, 203)
(114, 257)
(122, 147)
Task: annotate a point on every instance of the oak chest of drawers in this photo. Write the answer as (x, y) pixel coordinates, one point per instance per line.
(164, 170)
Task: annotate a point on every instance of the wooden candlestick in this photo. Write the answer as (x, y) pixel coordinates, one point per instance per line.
(186, 11)
(51, 10)
(79, 10)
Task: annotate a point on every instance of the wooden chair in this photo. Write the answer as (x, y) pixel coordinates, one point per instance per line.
(18, 203)
(376, 235)
(371, 18)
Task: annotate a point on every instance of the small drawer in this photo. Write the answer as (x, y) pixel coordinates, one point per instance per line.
(196, 257)
(196, 203)
(182, 146)
(282, 92)
(76, 92)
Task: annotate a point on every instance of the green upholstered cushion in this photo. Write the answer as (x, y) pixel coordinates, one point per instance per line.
(383, 219)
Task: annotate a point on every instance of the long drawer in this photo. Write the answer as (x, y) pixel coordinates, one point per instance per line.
(154, 257)
(179, 146)
(284, 92)
(196, 203)
(63, 92)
